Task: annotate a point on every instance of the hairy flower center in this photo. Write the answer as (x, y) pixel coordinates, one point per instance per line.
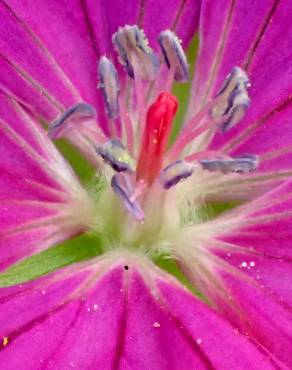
(133, 144)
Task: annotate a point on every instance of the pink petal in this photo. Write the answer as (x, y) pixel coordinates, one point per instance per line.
(34, 186)
(258, 282)
(49, 50)
(60, 48)
(270, 235)
(255, 36)
(117, 321)
(106, 17)
(22, 52)
(263, 317)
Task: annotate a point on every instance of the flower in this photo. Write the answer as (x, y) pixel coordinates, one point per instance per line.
(148, 201)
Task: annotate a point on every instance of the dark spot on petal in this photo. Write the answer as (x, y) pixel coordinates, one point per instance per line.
(126, 267)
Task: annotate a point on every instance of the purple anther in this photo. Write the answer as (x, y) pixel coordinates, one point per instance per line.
(109, 86)
(77, 113)
(123, 188)
(174, 55)
(176, 172)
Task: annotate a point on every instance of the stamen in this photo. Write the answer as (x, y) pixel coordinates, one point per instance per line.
(174, 55)
(225, 110)
(76, 114)
(240, 164)
(176, 172)
(115, 154)
(122, 186)
(133, 49)
(109, 85)
(232, 100)
(157, 129)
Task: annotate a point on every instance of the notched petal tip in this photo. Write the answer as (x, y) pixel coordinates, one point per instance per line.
(174, 55)
(77, 114)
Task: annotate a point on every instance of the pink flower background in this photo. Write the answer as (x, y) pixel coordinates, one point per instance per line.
(119, 310)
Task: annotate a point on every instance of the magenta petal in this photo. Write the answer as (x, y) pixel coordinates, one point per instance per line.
(263, 317)
(224, 346)
(53, 334)
(223, 44)
(181, 16)
(116, 321)
(258, 280)
(23, 52)
(198, 336)
(34, 189)
(57, 29)
(107, 16)
(270, 235)
(49, 50)
(243, 33)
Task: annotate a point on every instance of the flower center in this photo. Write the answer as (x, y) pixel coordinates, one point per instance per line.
(140, 109)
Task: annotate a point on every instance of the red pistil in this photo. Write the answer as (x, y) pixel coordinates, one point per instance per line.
(157, 129)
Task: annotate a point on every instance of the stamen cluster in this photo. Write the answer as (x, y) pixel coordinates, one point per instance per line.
(140, 110)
